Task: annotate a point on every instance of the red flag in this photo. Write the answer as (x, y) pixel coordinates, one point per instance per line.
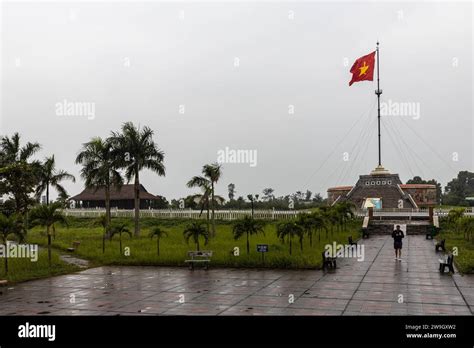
(363, 69)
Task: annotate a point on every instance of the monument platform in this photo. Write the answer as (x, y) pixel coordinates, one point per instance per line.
(382, 189)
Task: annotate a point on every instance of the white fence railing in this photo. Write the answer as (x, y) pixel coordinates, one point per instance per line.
(444, 212)
(188, 213)
(409, 212)
(258, 214)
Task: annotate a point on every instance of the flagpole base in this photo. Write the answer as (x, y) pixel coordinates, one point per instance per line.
(379, 170)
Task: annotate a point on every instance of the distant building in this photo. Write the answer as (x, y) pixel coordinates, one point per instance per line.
(121, 199)
(380, 189)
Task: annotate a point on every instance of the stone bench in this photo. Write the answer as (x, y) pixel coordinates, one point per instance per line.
(328, 261)
(75, 246)
(447, 262)
(351, 241)
(203, 257)
(440, 246)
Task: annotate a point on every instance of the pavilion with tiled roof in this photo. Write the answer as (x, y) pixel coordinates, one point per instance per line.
(122, 198)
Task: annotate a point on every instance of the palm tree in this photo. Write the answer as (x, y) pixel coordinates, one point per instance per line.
(343, 212)
(63, 198)
(306, 223)
(137, 151)
(287, 230)
(119, 229)
(19, 175)
(318, 222)
(300, 234)
(469, 228)
(231, 190)
(465, 224)
(103, 221)
(47, 216)
(204, 199)
(252, 199)
(330, 216)
(11, 151)
(49, 176)
(213, 172)
(11, 225)
(248, 226)
(159, 233)
(455, 214)
(99, 168)
(194, 231)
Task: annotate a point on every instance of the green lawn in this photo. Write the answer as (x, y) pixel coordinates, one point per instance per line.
(173, 248)
(21, 269)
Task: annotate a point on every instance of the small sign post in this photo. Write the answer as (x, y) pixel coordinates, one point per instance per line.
(262, 248)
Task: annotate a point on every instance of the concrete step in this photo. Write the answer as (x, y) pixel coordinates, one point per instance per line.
(385, 229)
(400, 222)
(389, 218)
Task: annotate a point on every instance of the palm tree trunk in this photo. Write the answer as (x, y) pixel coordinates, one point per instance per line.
(291, 239)
(103, 243)
(301, 245)
(137, 204)
(49, 246)
(212, 207)
(18, 203)
(6, 258)
(107, 204)
(197, 243)
(207, 219)
(158, 246)
(248, 244)
(47, 194)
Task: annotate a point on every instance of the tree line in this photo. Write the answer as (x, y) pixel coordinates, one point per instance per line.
(106, 163)
(324, 219)
(265, 200)
(121, 157)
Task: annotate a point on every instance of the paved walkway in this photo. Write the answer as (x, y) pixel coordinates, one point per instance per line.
(373, 286)
(71, 259)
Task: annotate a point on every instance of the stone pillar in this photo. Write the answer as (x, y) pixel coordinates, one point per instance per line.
(431, 213)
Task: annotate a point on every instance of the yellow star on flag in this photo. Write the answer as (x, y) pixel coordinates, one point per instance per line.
(363, 69)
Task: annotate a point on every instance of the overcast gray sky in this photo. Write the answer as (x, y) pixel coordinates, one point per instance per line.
(140, 61)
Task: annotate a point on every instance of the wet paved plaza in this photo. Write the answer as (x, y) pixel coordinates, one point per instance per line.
(379, 285)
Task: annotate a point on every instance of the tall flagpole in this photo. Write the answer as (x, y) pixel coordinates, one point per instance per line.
(378, 92)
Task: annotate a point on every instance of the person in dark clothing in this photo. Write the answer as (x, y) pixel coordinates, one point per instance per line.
(397, 236)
